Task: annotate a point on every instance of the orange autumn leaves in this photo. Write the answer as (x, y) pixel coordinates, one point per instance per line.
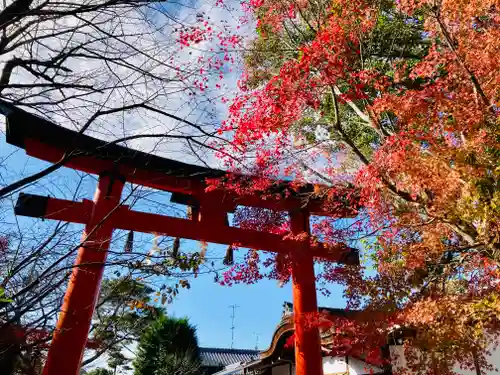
(413, 124)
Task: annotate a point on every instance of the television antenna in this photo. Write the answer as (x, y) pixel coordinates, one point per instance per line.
(256, 341)
(233, 314)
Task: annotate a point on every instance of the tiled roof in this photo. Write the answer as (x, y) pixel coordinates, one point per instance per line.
(219, 357)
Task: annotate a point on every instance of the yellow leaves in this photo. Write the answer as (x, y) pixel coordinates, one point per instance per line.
(495, 202)
(453, 322)
(488, 307)
(137, 305)
(184, 284)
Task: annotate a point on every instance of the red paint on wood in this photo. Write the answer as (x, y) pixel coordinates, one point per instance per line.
(73, 325)
(307, 340)
(208, 223)
(207, 229)
(73, 212)
(161, 181)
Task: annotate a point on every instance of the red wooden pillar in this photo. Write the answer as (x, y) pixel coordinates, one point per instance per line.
(308, 359)
(70, 336)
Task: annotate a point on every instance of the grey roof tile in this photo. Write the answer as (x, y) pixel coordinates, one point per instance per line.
(220, 357)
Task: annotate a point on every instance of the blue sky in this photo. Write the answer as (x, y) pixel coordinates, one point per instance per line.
(206, 304)
(260, 308)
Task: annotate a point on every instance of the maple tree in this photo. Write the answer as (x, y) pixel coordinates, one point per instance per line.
(397, 101)
(392, 105)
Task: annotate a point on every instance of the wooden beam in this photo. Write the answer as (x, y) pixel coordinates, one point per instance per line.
(204, 230)
(189, 186)
(32, 205)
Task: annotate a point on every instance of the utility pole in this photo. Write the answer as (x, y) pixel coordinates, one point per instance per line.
(234, 307)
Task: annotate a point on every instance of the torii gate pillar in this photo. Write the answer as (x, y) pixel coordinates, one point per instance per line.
(47, 141)
(70, 336)
(68, 343)
(308, 359)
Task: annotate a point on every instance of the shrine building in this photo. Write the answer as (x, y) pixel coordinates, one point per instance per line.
(278, 358)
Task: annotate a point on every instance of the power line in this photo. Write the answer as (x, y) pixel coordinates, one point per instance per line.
(234, 307)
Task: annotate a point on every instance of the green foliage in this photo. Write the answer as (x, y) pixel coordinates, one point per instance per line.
(123, 311)
(116, 360)
(168, 347)
(115, 318)
(396, 36)
(2, 296)
(100, 371)
(396, 40)
(178, 364)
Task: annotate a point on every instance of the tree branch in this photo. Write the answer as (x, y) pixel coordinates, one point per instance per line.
(361, 156)
(461, 62)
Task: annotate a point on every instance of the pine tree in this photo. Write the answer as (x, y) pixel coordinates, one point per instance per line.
(168, 347)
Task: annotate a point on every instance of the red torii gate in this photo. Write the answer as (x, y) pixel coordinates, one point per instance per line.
(116, 165)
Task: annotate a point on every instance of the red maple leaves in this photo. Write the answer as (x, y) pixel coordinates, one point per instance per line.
(413, 125)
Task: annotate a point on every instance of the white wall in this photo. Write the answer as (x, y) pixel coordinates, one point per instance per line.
(357, 367)
(399, 361)
(338, 365)
(334, 365)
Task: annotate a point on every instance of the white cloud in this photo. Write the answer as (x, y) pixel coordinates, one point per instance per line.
(145, 39)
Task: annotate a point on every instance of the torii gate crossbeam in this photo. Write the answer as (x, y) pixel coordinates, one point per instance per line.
(116, 165)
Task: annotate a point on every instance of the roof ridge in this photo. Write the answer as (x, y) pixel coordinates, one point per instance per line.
(288, 304)
(207, 348)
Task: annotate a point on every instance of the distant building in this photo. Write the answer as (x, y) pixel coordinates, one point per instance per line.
(279, 358)
(216, 359)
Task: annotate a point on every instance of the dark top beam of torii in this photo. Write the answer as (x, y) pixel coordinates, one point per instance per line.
(116, 165)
